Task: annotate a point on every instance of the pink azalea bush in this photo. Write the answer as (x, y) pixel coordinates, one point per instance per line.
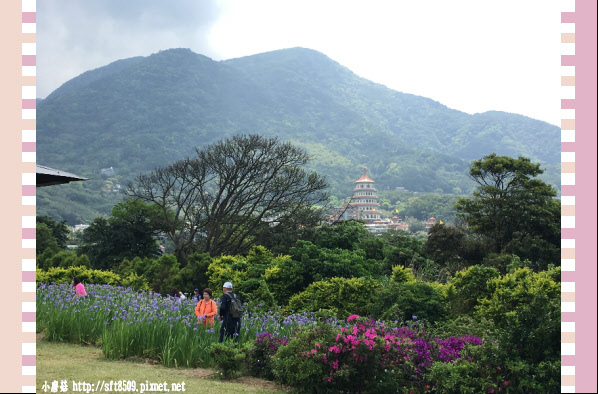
(365, 356)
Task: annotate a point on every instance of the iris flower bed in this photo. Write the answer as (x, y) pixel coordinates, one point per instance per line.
(137, 324)
(310, 354)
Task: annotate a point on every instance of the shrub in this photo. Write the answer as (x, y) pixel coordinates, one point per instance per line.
(292, 367)
(526, 308)
(135, 282)
(320, 263)
(401, 301)
(229, 359)
(227, 269)
(259, 360)
(87, 275)
(193, 275)
(340, 295)
(284, 279)
(60, 275)
(365, 356)
(504, 262)
(400, 274)
(464, 290)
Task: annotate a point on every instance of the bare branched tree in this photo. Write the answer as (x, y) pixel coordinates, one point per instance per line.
(224, 199)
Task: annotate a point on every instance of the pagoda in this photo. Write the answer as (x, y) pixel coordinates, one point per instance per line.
(365, 200)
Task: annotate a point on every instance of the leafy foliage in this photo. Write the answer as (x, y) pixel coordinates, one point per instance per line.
(402, 301)
(229, 359)
(341, 296)
(128, 233)
(466, 287)
(87, 275)
(59, 233)
(526, 307)
(513, 208)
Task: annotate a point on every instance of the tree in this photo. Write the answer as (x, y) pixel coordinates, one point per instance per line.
(59, 231)
(302, 226)
(44, 239)
(128, 233)
(343, 235)
(511, 206)
(225, 199)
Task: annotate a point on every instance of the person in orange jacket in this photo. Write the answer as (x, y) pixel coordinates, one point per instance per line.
(206, 309)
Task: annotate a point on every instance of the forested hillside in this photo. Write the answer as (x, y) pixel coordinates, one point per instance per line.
(136, 114)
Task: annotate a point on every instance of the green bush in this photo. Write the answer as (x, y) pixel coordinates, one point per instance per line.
(226, 269)
(229, 358)
(194, 274)
(400, 274)
(135, 282)
(87, 275)
(464, 290)
(343, 235)
(284, 279)
(342, 296)
(458, 377)
(303, 373)
(526, 308)
(61, 258)
(310, 263)
(402, 301)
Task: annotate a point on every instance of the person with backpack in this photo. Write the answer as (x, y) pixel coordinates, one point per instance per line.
(231, 310)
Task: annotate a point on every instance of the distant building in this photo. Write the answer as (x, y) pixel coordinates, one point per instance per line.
(429, 223)
(362, 206)
(80, 227)
(395, 223)
(365, 199)
(107, 171)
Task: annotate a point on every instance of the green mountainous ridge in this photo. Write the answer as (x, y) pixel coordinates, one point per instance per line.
(139, 113)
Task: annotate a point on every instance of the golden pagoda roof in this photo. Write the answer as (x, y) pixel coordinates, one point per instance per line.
(364, 178)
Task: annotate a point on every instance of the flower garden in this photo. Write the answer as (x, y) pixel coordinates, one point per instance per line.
(308, 351)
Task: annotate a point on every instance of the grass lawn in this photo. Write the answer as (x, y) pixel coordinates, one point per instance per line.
(70, 362)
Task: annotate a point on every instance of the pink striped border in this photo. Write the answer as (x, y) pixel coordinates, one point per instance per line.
(567, 197)
(28, 155)
(578, 178)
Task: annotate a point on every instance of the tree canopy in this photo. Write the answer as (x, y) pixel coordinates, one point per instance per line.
(128, 233)
(513, 208)
(227, 197)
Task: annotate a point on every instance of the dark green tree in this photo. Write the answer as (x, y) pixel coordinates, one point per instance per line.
(44, 239)
(343, 235)
(513, 208)
(281, 237)
(129, 232)
(60, 231)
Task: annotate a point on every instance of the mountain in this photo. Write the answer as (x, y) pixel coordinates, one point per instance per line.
(139, 113)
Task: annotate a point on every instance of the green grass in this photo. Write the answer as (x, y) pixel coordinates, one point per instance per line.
(74, 363)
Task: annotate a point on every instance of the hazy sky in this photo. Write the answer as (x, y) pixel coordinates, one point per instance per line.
(470, 55)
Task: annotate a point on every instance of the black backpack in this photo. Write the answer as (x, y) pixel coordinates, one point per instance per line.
(235, 309)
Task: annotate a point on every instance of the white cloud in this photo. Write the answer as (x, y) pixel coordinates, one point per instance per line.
(469, 55)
